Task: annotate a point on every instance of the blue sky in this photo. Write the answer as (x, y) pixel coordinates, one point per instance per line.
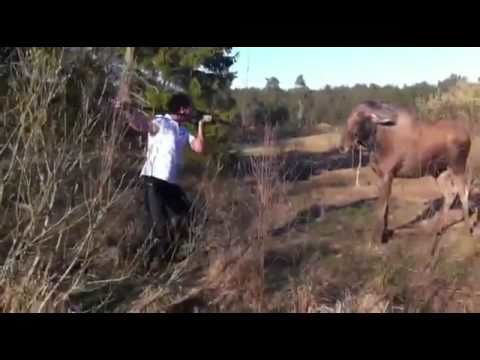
(348, 66)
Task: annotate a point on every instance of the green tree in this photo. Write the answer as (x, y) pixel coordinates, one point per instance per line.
(300, 82)
(8, 56)
(272, 83)
(203, 72)
(303, 100)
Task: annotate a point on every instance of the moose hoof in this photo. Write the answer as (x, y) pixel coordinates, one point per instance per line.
(475, 231)
(387, 235)
(382, 235)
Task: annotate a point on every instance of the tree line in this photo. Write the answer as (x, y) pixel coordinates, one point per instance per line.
(301, 108)
(205, 73)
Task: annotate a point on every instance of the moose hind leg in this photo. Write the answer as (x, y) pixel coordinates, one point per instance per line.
(463, 190)
(380, 232)
(447, 185)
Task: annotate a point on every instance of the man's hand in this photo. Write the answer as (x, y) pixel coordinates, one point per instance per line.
(206, 119)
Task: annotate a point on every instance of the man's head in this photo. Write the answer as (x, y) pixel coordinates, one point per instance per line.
(180, 107)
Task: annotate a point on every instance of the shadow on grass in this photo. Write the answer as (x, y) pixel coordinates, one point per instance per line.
(300, 166)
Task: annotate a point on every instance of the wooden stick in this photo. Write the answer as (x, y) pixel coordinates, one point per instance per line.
(357, 180)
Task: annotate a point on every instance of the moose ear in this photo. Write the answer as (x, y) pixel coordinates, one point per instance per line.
(383, 120)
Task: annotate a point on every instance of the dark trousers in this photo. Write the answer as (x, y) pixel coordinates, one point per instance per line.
(167, 209)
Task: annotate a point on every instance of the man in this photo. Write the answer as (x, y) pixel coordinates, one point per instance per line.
(167, 138)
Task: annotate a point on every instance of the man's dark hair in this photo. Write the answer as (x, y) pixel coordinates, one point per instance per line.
(177, 101)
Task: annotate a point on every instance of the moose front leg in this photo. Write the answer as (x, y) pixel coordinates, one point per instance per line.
(384, 190)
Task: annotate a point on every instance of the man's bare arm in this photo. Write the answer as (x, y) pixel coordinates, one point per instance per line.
(198, 145)
(138, 121)
(141, 123)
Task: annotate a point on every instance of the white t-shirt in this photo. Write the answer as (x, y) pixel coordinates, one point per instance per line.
(165, 149)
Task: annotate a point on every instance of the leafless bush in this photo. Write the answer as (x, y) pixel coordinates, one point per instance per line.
(58, 184)
(237, 271)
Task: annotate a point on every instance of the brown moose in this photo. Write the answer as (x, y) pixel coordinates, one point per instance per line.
(401, 146)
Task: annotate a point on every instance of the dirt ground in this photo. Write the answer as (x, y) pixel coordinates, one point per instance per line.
(325, 247)
(318, 255)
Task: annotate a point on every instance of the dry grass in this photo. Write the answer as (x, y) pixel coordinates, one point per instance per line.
(69, 210)
(72, 237)
(313, 143)
(237, 274)
(60, 183)
(395, 285)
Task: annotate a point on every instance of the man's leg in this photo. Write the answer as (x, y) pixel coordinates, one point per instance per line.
(157, 217)
(179, 213)
(184, 213)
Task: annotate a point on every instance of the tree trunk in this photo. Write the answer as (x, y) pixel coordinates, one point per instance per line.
(123, 92)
